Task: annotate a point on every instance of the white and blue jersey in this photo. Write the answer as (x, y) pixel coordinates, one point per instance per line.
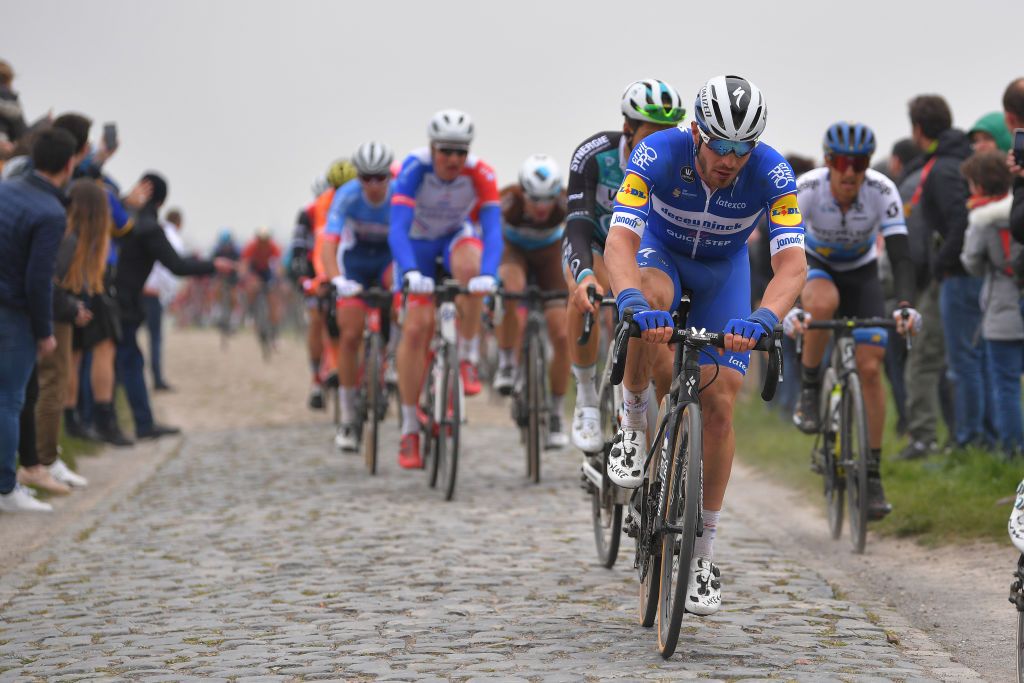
(361, 231)
(429, 216)
(846, 240)
(697, 236)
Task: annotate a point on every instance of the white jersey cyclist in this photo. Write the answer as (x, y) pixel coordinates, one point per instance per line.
(846, 241)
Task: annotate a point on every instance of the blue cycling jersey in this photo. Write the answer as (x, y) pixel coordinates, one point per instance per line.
(353, 220)
(663, 193)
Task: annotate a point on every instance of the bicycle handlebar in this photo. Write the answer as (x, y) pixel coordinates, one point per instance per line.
(699, 338)
(588, 317)
(850, 324)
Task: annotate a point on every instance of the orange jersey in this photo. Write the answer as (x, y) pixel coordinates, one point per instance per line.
(320, 208)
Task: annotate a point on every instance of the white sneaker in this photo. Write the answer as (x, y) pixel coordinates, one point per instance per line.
(62, 473)
(626, 458)
(704, 592)
(346, 439)
(1016, 525)
(556, 437)
(586, 429)
(20, 500)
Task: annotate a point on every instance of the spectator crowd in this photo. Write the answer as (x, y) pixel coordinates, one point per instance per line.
(77, 281)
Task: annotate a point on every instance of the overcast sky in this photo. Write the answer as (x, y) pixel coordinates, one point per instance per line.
(241, 104)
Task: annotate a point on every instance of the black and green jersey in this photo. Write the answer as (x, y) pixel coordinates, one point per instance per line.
(595, 173)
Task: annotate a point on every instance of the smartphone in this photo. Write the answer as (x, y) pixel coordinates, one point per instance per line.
(110, 136)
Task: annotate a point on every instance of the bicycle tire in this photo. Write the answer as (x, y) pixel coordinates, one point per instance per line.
(371, 417)
(534, 382)
(682, 509)
(606, 516)
(855, 461)
(834, 484)
(650, 567)
(428, 444)
(450, 424)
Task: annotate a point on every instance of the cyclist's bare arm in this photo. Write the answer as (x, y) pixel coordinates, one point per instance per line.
(620, 259)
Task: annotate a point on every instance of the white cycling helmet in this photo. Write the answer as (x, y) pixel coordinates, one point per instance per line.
(373, 158)
(653, 101)
(540, 177)
(451, 127)
(731, 108)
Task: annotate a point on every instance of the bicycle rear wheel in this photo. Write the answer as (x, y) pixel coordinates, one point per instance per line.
(606, 515)
(855, 460)
(682, 513)
(534, 401)
(834, 482)
(371, 423)
(447, 451)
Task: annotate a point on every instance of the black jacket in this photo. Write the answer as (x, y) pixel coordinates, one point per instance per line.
(65, 302)
(139, 249)
(1017, 210)
(943, 201)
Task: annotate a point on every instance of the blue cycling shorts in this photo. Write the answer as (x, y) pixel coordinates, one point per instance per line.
(428, 251)
(721, 291)
(366, 264)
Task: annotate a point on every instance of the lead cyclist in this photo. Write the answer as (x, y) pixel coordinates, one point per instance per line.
(688, 202)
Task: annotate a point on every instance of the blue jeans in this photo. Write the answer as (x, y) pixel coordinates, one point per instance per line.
(965, 357)
(130, 368)
(1005, 365)
(154, 324)
(17, 358)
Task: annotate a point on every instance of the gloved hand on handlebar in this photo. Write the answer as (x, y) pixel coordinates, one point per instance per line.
(908, 319)
(759, 323)
(482, 284)
(795, 321)
(643, 316)
(418, 283)
(346, 288)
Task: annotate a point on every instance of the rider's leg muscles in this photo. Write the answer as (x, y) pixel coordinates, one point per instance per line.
(716, 402)
(584, 358)
(659, 290)
(416, 332)
(351, 318)
(465, 265)
(559, 336)
(821, 299)
(513, 278)
(870, 358)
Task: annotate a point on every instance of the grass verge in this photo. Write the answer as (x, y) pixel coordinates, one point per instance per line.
(939, 500)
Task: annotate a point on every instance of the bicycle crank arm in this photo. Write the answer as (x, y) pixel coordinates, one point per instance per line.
(593, 475)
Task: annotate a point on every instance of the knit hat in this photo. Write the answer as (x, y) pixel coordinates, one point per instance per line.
(994, 124)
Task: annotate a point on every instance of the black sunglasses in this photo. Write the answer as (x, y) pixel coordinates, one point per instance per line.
(373, 177)
(453, 151)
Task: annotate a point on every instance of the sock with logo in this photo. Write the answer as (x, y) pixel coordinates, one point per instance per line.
(469, 349)
(704, 545)
(634, 408)
(346, 401)
(506, 358)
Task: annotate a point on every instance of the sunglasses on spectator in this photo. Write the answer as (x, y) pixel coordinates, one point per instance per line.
(373, 177)
(453, 151)
(723, 147)
(859, 163)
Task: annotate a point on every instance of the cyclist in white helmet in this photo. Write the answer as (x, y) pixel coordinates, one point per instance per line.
(683, 213)
(595, 172)
(533, 219)
(356, 255)
(441, 190)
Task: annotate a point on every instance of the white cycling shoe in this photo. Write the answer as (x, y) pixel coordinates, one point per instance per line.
(586, 429)
(704, 591)
(626, 458)
(346, 440)
(1016, 525)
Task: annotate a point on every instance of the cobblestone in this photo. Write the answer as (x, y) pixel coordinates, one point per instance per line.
(262, 555)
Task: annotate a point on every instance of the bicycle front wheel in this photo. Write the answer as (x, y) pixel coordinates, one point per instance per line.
(682, 516)
(371, 423)
(447, 451)
(606, 515)
(855, 460)
(534, 403)
(831, 460)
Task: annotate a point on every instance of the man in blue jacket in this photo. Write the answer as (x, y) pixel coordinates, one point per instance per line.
(32, 221)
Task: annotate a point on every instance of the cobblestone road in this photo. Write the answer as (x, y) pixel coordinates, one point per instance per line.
(263, 555)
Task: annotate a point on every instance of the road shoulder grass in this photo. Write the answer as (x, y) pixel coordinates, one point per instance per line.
(941, 499)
